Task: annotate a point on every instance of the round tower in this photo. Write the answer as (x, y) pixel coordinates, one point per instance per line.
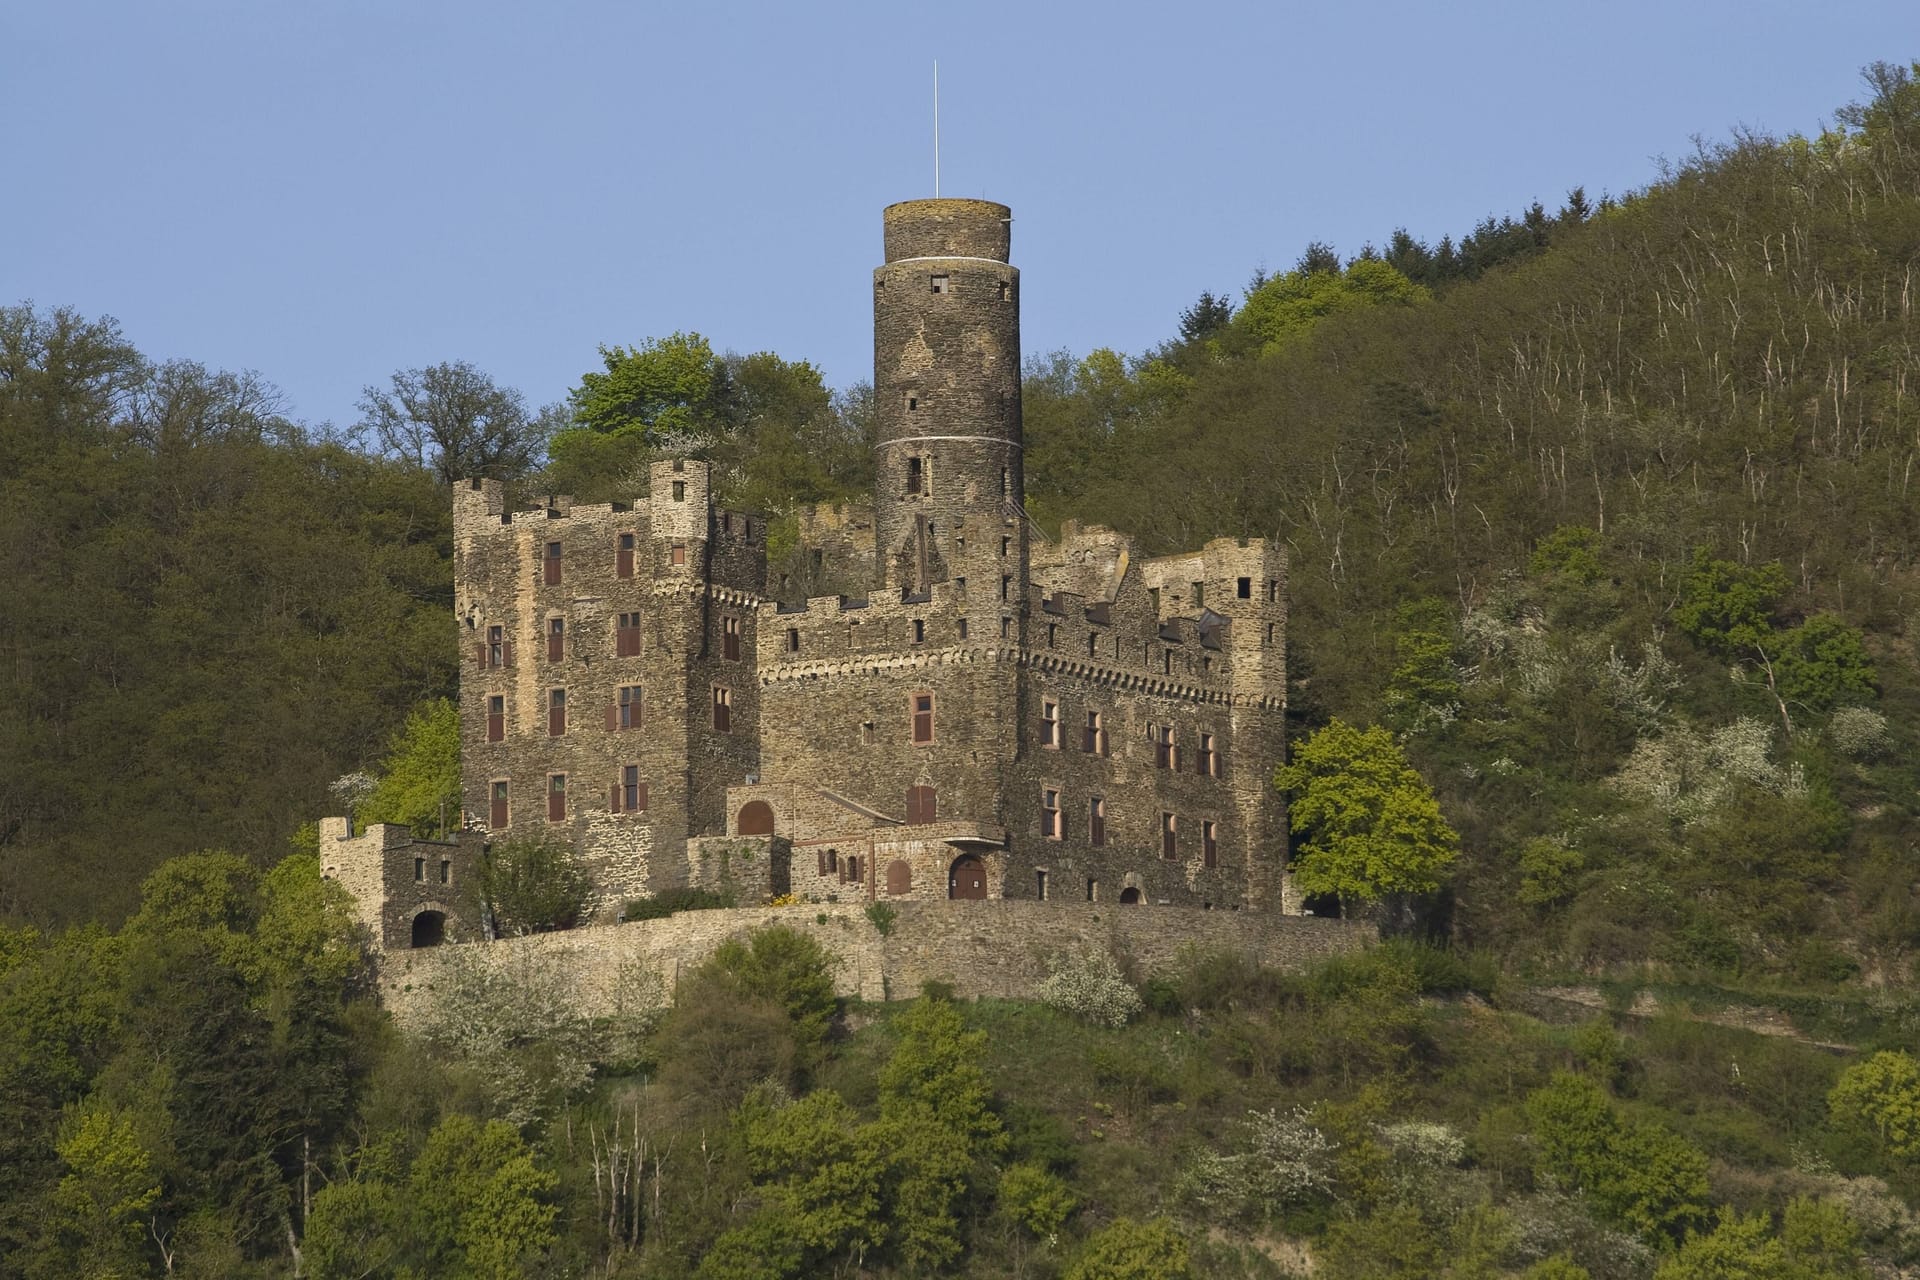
(946, 382)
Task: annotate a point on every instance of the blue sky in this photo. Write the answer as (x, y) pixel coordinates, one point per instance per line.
(328, 191)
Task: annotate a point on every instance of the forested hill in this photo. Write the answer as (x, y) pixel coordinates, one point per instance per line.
(1510, 468)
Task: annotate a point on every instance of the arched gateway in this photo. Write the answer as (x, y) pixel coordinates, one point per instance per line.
(968, 878)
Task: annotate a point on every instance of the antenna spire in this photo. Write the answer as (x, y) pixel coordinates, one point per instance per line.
(936, 128)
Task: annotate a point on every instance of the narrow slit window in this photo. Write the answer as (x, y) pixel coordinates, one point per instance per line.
(914, 478)
(553, 564)
(722, 710)
(922, 719)
(730, 639)
(496, 718)
(556, 797)
(1169, 837)
(1049, 723)
(623, 556)
(1097, 822)
(1209, 844)
(556, 712)
(556, 639)
(679, 490)
(1050, 814)
(498, 812)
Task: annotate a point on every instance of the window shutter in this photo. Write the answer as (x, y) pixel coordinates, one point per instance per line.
(506, 653)
(642, 795)
(613, 716)
(615, 806)
(480, 654)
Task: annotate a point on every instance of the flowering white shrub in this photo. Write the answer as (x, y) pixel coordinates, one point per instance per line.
(1089, 986)
(1639, 692)
(1424, 1144)
(1689, 774)
(1282, 1159)
(1858, 732)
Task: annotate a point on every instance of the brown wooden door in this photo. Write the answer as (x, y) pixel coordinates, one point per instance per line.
(967, 879)
(756, 818)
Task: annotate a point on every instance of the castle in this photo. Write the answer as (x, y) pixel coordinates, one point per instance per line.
(1001, 716)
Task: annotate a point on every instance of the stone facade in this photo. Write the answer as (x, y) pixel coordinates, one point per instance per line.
(1000, 715)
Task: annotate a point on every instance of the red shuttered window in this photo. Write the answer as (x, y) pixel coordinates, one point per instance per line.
(1097, 822)
(623, 557)
(556, 712)
(922, 719)
(496, 718)
(497, 815)
(551, 564)
(556, 797)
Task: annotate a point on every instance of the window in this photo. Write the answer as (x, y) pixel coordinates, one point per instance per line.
(1049, 724)
(913, 475)
(446, 871)
(962, 626)
(419, 870)
(1040, 884)
(1093, 739)
(1097, 822)
(629, 793)
(1006, 544)
(829, 861)
(1166, 662)
(1006, 290)
(1006, 628)
(923, 805)
(919, 630)
(631, 711)
(556, 712)
(1209, 758)
(553, 564)
(623, 557)
(556, 639)
(1244, 588)
(678, 553)
(1050, 814)
(853, 635)
(1209, 844)
(726, 522)
(499, 652)
(1006, 586)
(730, 639)
(1162, 736)
(1273, 590)
(1093, 642)
(556, 797)
(866, 733)
(626, 637)
(496, 718)
(922, 719)
(793, 639)
(943, 284)
(1053, 635)
(497, 812)
(679, 490)
(913, 402)
(1006, 489)
(1169, 839)
(1269, 640)
(1199, 595)
(1093, 890)
(722, 710)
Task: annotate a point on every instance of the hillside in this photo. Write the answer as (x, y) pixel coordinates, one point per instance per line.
(1608, 516)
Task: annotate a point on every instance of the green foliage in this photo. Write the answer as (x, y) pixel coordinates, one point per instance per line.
(1881, 1096)
(1424, 686)
(419, 784)
(1646, 1177)
(1039, 1200)
(99, 1208)
(1822, 664)
(1129, 1250)
(1572, 552)
(1816, 1242)
(454, 421)
(1287, 307)
(670, 901)
(665, 389)
(1368, 824)
(881, 915)
(1729, 607)
(789, 968)
(532, 886)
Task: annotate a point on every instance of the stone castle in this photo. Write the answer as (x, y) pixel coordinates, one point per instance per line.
(1000, 716)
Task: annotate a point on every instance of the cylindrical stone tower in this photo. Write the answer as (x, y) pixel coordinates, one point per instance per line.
(946, 382)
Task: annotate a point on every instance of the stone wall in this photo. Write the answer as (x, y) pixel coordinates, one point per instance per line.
(993, 948)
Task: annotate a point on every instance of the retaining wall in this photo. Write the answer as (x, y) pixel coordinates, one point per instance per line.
(991, 948)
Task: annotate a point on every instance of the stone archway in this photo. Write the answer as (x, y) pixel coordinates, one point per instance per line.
(967, 879)
(429, 929)
(756, 819)
(1129, 897)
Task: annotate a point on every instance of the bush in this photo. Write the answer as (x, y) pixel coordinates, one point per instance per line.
(532, 886)
(661, 905)
(1859, 733)
(1881, 1097)
(1129, 1250)
(789, 968)
(1639, 1174)
(1089, 987)
(1282, 1159)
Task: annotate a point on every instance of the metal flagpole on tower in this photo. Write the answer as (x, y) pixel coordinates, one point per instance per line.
(936, 128)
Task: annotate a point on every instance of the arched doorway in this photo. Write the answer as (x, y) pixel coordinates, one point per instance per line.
(968, 878)
(899, 878)
(429, 929)
(756, 818)
(1129, 897)
(920, 806)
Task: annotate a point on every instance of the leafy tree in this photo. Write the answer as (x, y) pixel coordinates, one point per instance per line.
(1729, 607)
(825, 1173)
(719, 1041)
(665, 390)
(1424, 681)
(1881, 1096)
(1282, 309)
(1816, 1243)
(791, 969)
(1822, 664)
(455, 421)
(1644, 1176)
(99, 1208)
(1368, 824)
(1039, 1200)
(532, 886)
(1128, 1250)
(419, 783)
(1571, 551)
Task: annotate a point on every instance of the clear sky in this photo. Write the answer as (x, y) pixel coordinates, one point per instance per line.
(328, 190)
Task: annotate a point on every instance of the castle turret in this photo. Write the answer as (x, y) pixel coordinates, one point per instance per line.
(946, 377)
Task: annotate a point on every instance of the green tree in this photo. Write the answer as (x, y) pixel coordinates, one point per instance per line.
(1424, 680)
(1039, 1200)
(1822, 664)
(1570, 551)
(664, 390)
(1729, 607)
(419, 785)
(1639, 1174)
(1285, 307)
(1816, 1242)
(791, 969)
(99, 1208)
(532, 886)
(1128, 1250)
(477, 1202)
(1881, 1097)
(1369, 825)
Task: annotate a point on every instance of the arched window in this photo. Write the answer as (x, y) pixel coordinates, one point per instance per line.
(756, 818)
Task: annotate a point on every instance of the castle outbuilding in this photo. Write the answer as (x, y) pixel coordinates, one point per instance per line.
(1002, 715)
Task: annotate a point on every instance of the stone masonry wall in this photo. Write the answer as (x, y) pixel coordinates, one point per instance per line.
(994, 948)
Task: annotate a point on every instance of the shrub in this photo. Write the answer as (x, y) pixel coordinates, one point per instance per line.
(1881, 1096)
(1089, 986)
(1283, 1158)
(1038, 1200)
(661, 905)
(1859, 732)
(882, 915)
(791, 969)
(1642, 1175)
(532, 886)
(1129, 1250)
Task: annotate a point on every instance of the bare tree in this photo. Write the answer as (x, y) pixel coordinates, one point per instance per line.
(456, 421)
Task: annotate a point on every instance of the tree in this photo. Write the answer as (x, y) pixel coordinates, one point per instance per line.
(1129, 1250)
(1822, 664)
(665, 390)
(1639, 1174)
(455, 421)
(1424, 681)
(419, 785)
(532, 886)
(1369, 825)
(1205, 317)
(1881, 1096)
(1285, 307)
(1816, 1242)
(791, 969)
